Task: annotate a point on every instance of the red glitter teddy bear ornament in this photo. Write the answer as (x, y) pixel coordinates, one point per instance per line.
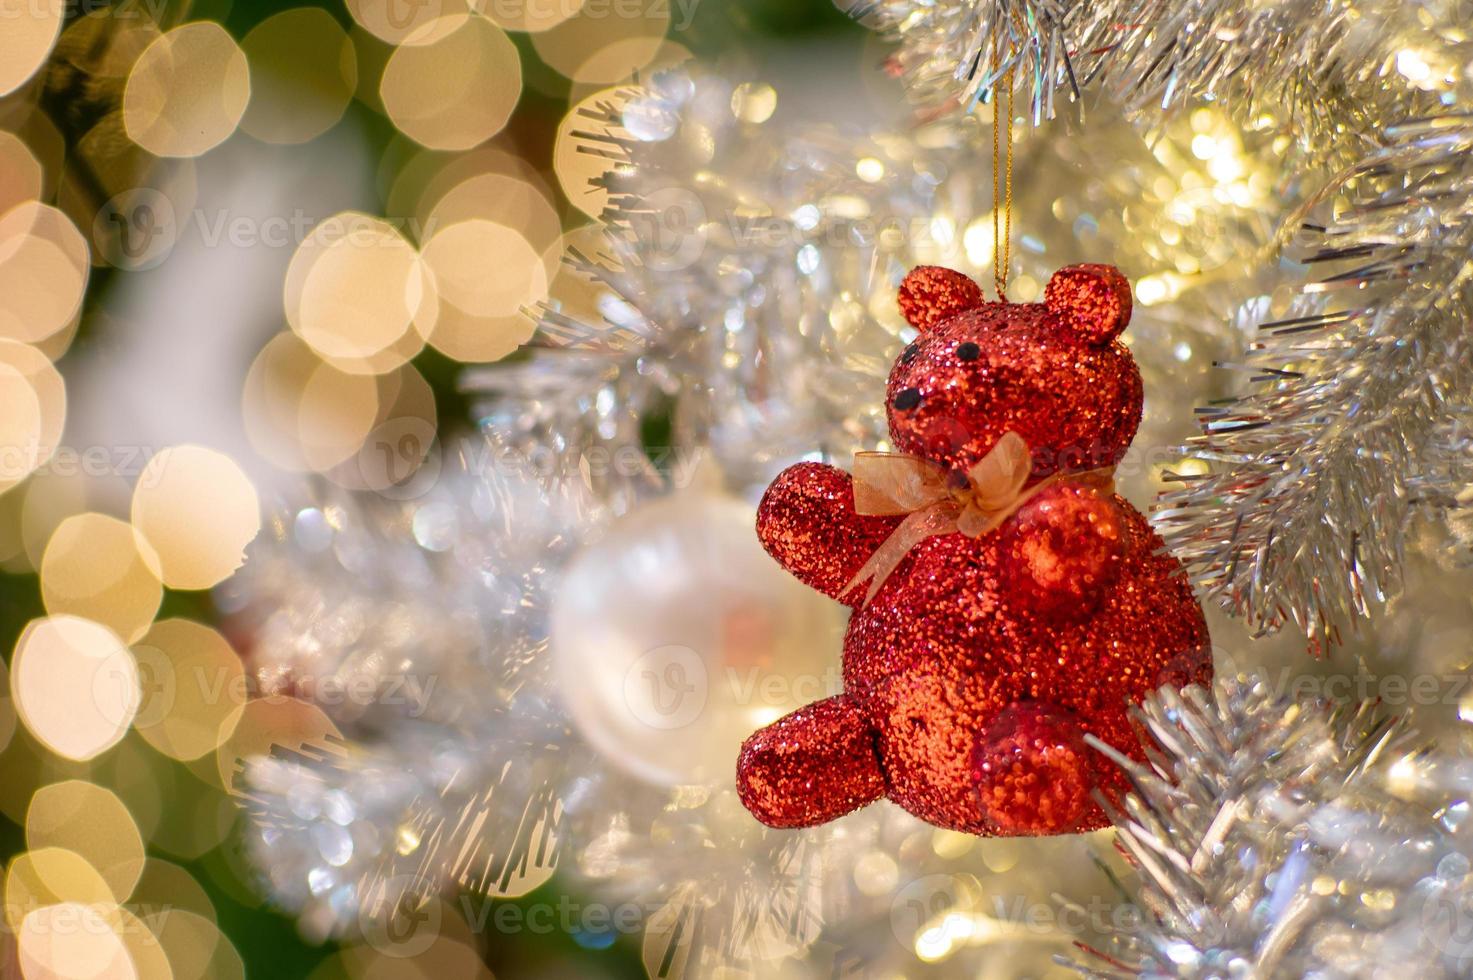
(1013, 603)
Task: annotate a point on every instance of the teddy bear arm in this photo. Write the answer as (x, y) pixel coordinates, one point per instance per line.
(810, 766)
(1064, 548)
(807, 522)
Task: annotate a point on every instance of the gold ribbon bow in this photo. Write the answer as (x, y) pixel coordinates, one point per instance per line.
(891, 484)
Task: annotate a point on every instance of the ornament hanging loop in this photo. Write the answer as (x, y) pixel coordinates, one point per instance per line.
(1002, 167)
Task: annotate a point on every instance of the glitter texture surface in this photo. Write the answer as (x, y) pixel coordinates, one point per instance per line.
(931, 294)
(981, 663)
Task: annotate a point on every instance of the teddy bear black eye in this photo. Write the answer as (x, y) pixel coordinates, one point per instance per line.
(968, 352)
(909, 354)
(907, 399)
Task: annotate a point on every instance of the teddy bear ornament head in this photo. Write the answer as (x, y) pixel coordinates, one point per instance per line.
(1006, 601)
(1053, 372)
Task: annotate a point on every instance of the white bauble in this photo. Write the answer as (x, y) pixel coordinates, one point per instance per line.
(675, 637)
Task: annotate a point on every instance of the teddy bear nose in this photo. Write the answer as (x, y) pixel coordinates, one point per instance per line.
(907, 399)
(968, 352)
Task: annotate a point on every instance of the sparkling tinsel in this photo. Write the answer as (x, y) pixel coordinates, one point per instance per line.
(419, 625)
(1277, 838)
(745, 274)
(954, 54)
(1328, 73)
(756, 340)
(740, 275)
(1359, 406)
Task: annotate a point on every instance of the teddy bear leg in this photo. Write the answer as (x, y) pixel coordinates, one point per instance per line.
(1033, 772)
(810, 766)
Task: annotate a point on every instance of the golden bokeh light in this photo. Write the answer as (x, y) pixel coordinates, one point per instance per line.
(338, 411)
(197, 510)
(420, 181)
(402, 439)
(755, 102)
(20, 426)
(187, 91)
(133, 771)
(486, 269)
(604, 42)
(620, 60)
(404, 22)
(486, 273)
(502, 199)
(50, 876)
(267, 722)
(31, 30)
(44, 265)
(405, 394)
(147, 954)
(478, 339)
(93, 568)
(91, 822)
(190, 941)
(75, 685)
(45, 383)
(401, 351)
(194, 688)
(456, 91)
(303, 74)
(577, 295)
(23, 177)
(72, 940)
(575, 169)
(165, 885)
(195, 945)
(47, 499)
(303, 413)
(28, 766)
(531, 16)
(355, 286)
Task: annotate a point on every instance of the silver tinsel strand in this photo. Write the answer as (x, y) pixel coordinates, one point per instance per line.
(1360, 403)
(1327, 73)
(419, 625)
(734, 278)
(1275, 838)
(767, 332)
(953, 55)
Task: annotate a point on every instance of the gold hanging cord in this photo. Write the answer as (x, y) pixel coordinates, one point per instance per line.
(1002, 172)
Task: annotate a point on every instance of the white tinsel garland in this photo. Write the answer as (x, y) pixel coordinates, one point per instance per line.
(1276, 838)
(1315, 474)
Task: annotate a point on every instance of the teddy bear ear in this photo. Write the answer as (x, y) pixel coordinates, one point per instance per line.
(1093, 299)
(931, 294)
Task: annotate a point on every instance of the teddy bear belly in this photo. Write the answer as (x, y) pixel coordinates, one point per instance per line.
(941, 652)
